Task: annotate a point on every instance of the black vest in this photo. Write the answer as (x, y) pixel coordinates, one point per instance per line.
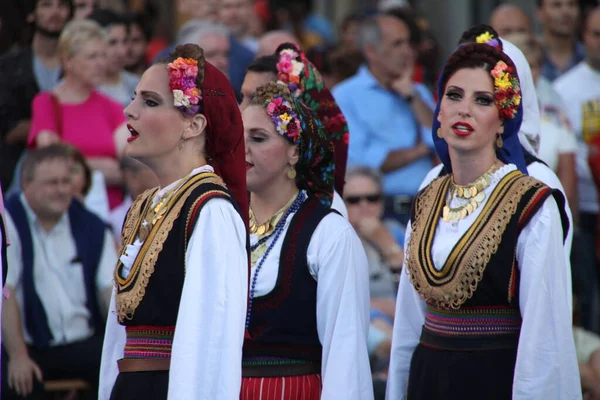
(284, 322)
(162, 295)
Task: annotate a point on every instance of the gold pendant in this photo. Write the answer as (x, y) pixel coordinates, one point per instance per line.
(261, 230)
(144, 232)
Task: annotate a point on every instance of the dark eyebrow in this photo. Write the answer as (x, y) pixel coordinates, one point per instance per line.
(484, 92)
(259, 130)
(151, 94)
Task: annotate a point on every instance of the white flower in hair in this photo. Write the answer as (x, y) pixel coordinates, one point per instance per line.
(180, 98)
(297, 67)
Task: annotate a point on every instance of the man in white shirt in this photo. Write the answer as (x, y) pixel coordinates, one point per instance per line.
(62, 257)
(580, 91)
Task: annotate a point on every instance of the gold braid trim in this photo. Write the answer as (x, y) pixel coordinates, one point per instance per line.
(131, 291)
(456, 282)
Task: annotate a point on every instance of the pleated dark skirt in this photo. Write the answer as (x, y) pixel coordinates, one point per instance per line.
(451, 375)
(151, 385)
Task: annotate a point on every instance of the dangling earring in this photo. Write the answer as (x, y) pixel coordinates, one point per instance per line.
(180, 145)
(291, 172)
(439, 133)
(499, 141)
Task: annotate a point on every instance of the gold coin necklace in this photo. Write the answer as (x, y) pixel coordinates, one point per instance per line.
(268, 226)
(473, 192)
(155, 213)
(266, 230)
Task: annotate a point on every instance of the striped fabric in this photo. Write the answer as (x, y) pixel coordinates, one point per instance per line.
(473, 321)
(149, 341)
(304, 387)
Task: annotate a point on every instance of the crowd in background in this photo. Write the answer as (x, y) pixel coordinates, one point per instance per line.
(68, 69)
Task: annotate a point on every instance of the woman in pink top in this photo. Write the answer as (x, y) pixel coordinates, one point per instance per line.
(76, 113)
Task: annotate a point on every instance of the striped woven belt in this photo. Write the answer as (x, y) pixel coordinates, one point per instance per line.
(277, 367)
(149, 341)
(471, 328)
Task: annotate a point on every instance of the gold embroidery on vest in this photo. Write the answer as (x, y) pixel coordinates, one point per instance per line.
(456, 282)
(133, 288)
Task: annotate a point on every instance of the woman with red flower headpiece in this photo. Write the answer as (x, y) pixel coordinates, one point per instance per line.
(308, 310)
(176, 326)
(483, 309)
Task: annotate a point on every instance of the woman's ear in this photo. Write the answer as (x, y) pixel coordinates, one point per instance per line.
(196, 126)
(293, 154)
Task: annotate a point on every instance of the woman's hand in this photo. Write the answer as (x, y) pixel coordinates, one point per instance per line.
(109, 167)
(46, 138)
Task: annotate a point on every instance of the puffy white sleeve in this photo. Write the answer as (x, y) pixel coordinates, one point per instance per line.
(112, 350)
(343, 311)
(206, 357)
(546, 365)
(408, 323)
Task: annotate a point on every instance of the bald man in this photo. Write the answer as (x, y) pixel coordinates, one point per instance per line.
(508, 19)
(269, 42)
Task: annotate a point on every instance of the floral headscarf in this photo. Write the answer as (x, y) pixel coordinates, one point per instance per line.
(306, 84)
(299, 125)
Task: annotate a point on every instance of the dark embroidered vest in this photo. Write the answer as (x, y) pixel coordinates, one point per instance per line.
(151, 294)
(88, 232)
(284, 322)
(476, 294)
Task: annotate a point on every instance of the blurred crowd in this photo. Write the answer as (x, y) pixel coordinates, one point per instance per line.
(69, 67)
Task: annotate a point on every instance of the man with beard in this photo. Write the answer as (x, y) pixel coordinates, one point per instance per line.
(23, 74)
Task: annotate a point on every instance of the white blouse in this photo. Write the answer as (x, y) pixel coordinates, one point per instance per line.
(546, 366)
(337, 261)
(206, 356)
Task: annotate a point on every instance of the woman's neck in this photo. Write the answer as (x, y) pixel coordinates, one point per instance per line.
(467, 169)
(74, 91)
(267, 202)
(174, 168)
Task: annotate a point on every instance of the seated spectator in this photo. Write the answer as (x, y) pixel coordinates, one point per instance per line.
(139, 34)
(88, 186)
(76, 113)
(61, 261)
(118, 84)
(138, 178)
(213, 38)
(381, 240)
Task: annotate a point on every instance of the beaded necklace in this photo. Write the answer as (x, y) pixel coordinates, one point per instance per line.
(276, 233)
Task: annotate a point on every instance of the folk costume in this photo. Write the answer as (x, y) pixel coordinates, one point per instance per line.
(176, 324)
(306, 84)
(483, 309)
(308, 312)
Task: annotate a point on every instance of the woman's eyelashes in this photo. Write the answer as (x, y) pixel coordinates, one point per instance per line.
(484, 100)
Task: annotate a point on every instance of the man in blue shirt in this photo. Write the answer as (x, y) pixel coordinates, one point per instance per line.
(389, 116)
(560, 22)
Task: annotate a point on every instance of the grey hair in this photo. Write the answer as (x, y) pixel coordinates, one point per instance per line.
(194, 30)
(369, 34)
(367, 172)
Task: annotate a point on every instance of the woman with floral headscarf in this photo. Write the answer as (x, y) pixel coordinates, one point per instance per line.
(290, 67)
(176, 324)
(483, 311)
(308, 311)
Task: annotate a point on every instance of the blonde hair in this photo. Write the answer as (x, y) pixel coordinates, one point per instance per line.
(77, 34)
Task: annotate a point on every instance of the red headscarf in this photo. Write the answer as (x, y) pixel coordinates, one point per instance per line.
(225, 135)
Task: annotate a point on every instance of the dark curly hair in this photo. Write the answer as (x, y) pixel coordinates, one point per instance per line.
(473, 55)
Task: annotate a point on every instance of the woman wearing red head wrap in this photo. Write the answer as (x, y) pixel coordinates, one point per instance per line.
(176, 324)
